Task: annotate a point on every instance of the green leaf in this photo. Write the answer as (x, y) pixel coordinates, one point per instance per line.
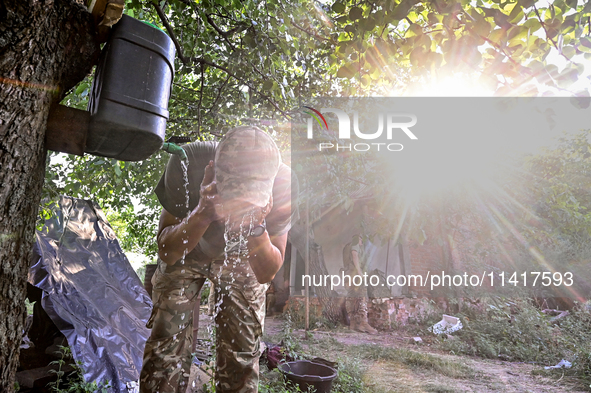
(567, 77)
(533, 25)
(338, 7)
(569, 51)
(345, 72)
(482, 27)
(81, 87)
(355, 13)
(571, 3)
(526, 3)
(416, 29)
(367, 24)
(418, 56)
(498, 36)
(365, 80)
(516, 14)
(536, 66)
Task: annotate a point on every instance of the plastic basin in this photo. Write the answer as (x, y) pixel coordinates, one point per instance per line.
(304, 373)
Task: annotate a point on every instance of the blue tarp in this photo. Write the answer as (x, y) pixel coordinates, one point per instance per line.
(91, 293)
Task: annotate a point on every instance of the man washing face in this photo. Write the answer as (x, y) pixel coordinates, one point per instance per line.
(234, 232)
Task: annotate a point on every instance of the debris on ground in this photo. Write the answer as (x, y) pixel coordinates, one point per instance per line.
(557, 315)
(275, 354)
(447, 325)
(560, 364)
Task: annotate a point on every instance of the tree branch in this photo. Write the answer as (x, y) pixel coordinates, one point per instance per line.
(547, 36)
(312, 34)
(220, 31)
(227, 71)
(200, 99)
(190, 62)
(215, 101)
(179, 50)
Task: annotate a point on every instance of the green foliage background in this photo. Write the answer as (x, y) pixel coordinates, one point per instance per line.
(250, 62)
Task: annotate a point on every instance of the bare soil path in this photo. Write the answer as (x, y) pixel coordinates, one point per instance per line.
(400, 375)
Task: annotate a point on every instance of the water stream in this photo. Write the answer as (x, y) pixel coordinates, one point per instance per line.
(235, 254)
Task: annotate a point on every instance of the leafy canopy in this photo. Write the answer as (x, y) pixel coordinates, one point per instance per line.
(254, 62)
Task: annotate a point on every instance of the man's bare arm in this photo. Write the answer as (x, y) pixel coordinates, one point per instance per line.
(266, 254)
(177, 237)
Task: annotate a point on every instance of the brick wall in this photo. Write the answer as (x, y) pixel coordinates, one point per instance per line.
(387, 313)
(425, 258)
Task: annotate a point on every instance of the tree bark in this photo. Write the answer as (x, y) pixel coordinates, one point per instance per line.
(46, 47)
(330, 305)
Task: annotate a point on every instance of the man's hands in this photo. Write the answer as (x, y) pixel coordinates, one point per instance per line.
(212, 208)
(209, 200)
(178, 237)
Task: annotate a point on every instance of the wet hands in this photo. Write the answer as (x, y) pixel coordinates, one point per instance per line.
(239, 215)
(209, 200)
(242, 216)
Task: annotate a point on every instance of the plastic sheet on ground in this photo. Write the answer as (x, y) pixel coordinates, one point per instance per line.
(91, 293)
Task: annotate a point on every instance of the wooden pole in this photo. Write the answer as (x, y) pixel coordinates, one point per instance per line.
(387, 257)
(67, 130)
(307, 260)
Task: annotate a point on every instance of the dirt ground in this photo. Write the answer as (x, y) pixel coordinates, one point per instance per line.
(396, 376)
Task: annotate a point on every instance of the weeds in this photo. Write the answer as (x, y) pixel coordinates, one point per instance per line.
(210, 368)
(350, 376)
(291, 345)
(73, 382)
(296, 313)
(516, 330)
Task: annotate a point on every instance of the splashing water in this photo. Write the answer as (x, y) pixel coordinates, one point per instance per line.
(185, 168)
(235, 253)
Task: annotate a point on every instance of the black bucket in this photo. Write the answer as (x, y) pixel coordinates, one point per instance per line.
(130, 92)
(304, 373)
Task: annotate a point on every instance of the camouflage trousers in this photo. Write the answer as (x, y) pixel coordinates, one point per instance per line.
(240, 313)
(356, 302)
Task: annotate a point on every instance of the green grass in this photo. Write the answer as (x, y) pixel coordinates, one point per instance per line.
(438, 388)
(447, 367)
(513, 330)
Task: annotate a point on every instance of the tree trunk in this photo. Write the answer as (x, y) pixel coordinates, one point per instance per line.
(330, 305)
(46, 47)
